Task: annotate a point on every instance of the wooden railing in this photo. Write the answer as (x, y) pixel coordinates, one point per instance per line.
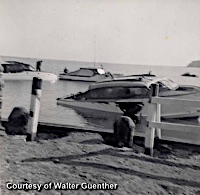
(154, 124)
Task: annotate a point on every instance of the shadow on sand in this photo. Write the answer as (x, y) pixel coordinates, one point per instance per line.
(70, 160)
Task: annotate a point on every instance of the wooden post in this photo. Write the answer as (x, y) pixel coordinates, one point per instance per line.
(34, 109)
(158, 115)
(1, 96)
(151, 117)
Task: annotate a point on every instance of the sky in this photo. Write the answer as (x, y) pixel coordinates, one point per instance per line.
(149, 32)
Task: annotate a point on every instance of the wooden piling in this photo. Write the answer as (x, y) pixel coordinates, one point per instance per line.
(152, 117)
(158, 115)
(34, 109)
(1, 96)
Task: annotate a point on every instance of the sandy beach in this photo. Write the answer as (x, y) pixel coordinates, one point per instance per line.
(155, 47)
(81, 161)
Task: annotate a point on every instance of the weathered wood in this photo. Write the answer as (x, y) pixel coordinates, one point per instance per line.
(153, 120)
(175, 127)
(175, 101)
(158, 119)
(34, 109)
(1, 96)
(151, 116)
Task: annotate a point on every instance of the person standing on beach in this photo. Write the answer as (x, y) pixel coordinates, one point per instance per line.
(38, 65)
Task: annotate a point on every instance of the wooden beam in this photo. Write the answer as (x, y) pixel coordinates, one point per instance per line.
(175, 127)
(175, 101)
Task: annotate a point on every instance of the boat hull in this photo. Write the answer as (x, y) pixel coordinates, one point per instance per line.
(85, 79)
(102, 112)
(167, 111)
(28, 75)
(91, 106)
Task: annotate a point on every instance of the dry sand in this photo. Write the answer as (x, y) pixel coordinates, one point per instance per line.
(84, 157)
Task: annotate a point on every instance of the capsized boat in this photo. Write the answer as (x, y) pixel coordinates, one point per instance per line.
(88, 75)
(130, 95)
(13, 70)
(187, 74)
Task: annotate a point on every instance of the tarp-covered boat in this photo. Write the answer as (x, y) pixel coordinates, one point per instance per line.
(87, 75)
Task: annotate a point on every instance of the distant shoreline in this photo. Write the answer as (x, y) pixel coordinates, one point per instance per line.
(97, 63)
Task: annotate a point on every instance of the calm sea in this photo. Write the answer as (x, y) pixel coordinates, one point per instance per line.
(18, 93)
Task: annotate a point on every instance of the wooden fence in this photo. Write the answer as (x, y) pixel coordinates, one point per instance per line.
(154, 124)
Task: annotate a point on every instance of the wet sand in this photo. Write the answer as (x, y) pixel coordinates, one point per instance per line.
(85, 158)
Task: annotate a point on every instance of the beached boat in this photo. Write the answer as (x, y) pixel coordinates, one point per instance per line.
(130, 95)
(13, 70)
(87, 75)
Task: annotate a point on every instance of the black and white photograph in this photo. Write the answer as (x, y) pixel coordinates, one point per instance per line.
(99, 97)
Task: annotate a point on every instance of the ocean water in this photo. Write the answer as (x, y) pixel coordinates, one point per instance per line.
(18, 93)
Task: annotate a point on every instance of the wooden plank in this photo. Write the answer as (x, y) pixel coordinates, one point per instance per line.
(191, 114)
(75, 128)
(175, 101)
(158, 119)
(175, 127)
(174, 139)
(180, 140)
(66, 128)
(141, 100)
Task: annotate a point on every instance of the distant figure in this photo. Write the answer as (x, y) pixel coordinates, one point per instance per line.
(101, 66)
(6, 69)
(66, 70)
(38, 65)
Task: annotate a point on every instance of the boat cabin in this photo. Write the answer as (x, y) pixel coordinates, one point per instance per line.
(137, 88)
(87, 72)
(130, 94)
(15, 67)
